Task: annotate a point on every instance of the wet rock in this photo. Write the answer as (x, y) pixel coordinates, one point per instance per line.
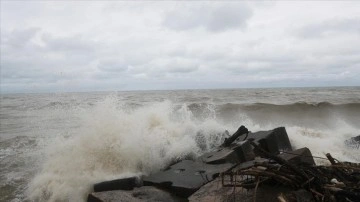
(119, 184)
(235, 153)
(301, 156)
(142, 194)
(272, 141)
(185, 177)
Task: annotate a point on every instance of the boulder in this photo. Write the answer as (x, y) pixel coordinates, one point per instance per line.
(118, 184)
(235, 153)
(273, 141)
(187, 176)
(141, 194)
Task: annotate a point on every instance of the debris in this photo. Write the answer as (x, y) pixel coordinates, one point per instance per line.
(215, 192)
(318, 180)
(300, 195)
(298, 157)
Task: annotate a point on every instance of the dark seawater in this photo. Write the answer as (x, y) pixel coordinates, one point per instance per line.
(53, 147)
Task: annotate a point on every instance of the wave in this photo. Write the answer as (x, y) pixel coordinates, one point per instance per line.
(318, 115)
(299, 106)
(15, 153)
(114, 141)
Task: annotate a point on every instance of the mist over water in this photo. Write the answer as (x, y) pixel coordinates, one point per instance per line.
(53, 147)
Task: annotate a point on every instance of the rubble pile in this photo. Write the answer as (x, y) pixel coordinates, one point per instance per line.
(260, 167)
(336, 182)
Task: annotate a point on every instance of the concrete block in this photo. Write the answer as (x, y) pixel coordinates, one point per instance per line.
(141, 194)
(187, 176)
(235, 153)
(273, 141)
(118, 184)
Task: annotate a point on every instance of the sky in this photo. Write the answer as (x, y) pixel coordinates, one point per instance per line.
(75, 46)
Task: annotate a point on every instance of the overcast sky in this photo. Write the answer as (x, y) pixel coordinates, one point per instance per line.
(60, 46)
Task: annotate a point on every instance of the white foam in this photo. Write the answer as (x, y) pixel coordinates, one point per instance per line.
(330, 140)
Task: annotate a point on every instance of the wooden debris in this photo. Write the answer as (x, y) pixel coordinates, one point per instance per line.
(336, 182)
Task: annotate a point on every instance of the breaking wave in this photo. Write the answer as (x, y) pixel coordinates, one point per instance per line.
(115, 139)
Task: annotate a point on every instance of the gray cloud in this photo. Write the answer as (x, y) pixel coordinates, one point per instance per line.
(213, 17)
(112, 66)
(20, 37)
(68, 44)
(330, 26)
(173, 65)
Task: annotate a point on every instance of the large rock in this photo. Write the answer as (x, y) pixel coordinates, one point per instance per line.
(142, 194)
(187, 176)
(301, 156)
(235, 153)
(118, 184)
(273, 141)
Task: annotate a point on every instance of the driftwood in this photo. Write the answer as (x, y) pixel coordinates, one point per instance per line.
(339, 181)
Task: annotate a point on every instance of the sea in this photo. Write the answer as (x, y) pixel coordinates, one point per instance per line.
(55, 146)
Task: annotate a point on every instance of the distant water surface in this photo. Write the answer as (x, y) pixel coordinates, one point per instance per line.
(53, 147)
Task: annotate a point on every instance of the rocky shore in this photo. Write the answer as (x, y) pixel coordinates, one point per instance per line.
(260, 166)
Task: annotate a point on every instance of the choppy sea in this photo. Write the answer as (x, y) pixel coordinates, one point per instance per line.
(53, 147)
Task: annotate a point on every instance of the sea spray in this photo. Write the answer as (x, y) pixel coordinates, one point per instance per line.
(324, 141)
(114, 142)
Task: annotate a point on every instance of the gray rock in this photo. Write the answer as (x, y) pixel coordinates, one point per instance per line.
(272, 141)
(187, 176)
(118, 184)
(235, 153)
(141, 194)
